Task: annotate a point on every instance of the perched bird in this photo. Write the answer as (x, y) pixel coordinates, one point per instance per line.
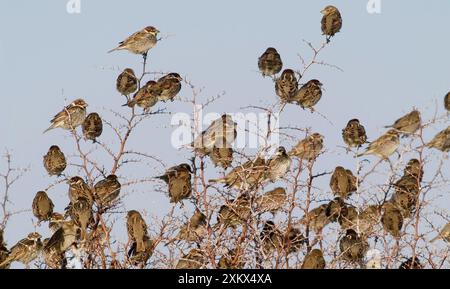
(192, 260)
(146, 97)
(407, 124)
(63, 238)
(42, 206)
(407, 184)
(384, 146)
(92, 126)
(278, 165)
(55, 161)
(78, 189)
(53, 258)
(235, 212)
(220, 134)
(353, 247)
(343, 183)
(178, 179)
(221, 156)
(405, 202)
(354, 134)
(107, 190)
(314, 260)
(348, 218)
(331, 21)
(233, 259)
(392, 219)
(286, 85)
(271, 238)
(444, 234)
(367, 219)
(81, 213)
(308, 148)
(414, 169)
(25, 251)
(411, 263)
(137, 229)
(139, 42)
(4, 252)
(245, 176)
(55, 222)
(293, 240)
(269, 63)
(447, 101)
(136, 257)
(195, 229)
(335, 208)
(127, 82)
(271, 201)
(70, 117)
(441, 141)
(317, 218)
(170, 86)
(309, 94)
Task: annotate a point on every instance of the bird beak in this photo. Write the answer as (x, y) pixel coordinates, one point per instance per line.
(323, 11)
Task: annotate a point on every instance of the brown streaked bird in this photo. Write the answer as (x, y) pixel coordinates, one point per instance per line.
(271, 238)
(444, 234)
(411, 263)
(343, 183)
(278, 165)
(139, 42)
(286, 85)
(170, 86)
(308, 148)
(192, 260)
(271, 201)
(414, 169)
(335, 208)
(314, 260)
(92, 126)
(353, 247)
(269, 63)
(384, 146)
(407, 124)
(233, 259)
(348, 217)
(63, 238)
(55, 222)
(367, 219)
(309, 94)
(79, 189)
(141, 258)
(55, 161)
(447, 101)
(293, 240)
(42, 206)
(331, 22)
(235, 212)
(245, 176)
(70, 117)
(107, 190)
(53, 258)
(4, 252)
(407, 184)
(405, 202)
(222, 156)
(127, 82)
(317, 218)
(137, 229)
(25, 251)
(441, 141)
(220, 133)
(146, 97)
(179, 183)
(392, 219)
(194, 230)
(81, 213)
(354, 134)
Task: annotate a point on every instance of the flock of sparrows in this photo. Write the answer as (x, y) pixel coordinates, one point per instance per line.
(72, 229)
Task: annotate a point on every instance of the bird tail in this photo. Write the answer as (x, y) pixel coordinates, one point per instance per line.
(361, 154)
(50, 128)
(115, 49)
(213, 181)
(435, 239)
(6, 262)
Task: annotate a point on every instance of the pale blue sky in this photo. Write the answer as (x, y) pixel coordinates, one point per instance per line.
(392, 61)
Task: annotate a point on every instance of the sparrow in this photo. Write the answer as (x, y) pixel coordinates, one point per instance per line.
(348, 217)
(55, 222)
(314, 260)
(353, 247)
(447, 101)
(278, 165)
(335, 208)
(42, 206)
(220, 133)
(405, 202)
(3, 251)
(407, 184)
(286, 85)
(343, 183)
(293, 240)
(137, 258)
(271, 238)
(53, 258)
(235, 212)
(309, 94)
(231, 260)
(127, 82)
(308, 148)
(444, 234)
(245, 176)
(81, 214)
(271, 201)
(367, 219)
(170, 86)
(146, 97)
(78, 188)
(92, 126)
(269, 63)
(384, 146)
(139, 42)
(195, 229)
(55, 161)
(414, 169)
(25, 251)
(137, 229)
(411, 264)
(221, 156)
(70, 117)
(63, 238)
(392, 219)
(178, 179)
(107, 190)
(317, 218)
(354, 134)
(193, 260)
(331, 22)
(441, 141)
(407, 124)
